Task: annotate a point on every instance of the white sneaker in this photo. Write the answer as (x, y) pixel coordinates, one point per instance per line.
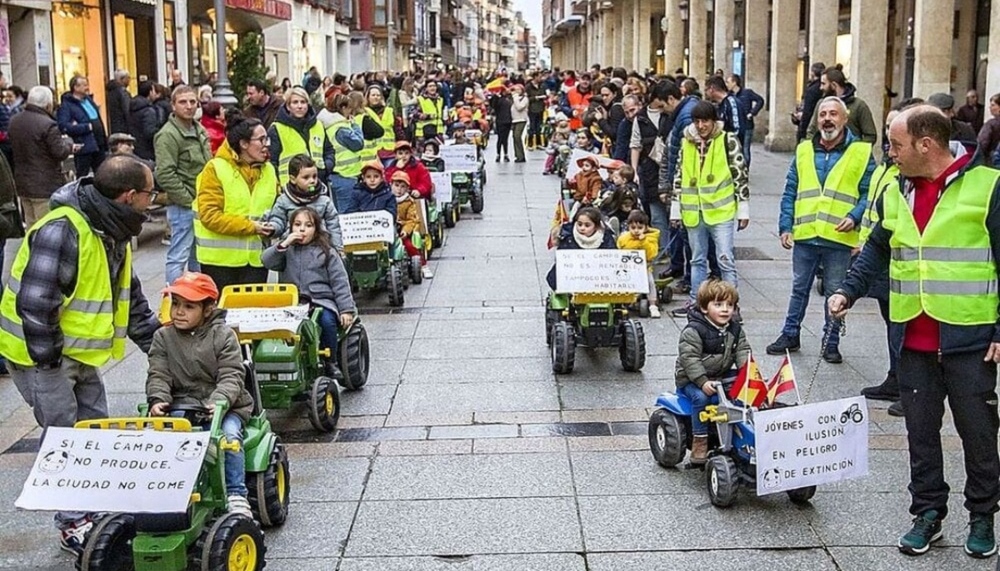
(238, 504)
(426, 272)
(654, 312)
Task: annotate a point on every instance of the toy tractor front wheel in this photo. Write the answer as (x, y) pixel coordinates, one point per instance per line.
(269, 490)
(551, 318)
(802, 495)
(643, 307)
(563, 347)
(476, 201)
(666, 295)
(448, 213)
(354, 357)
(109, 545)
(667, 438)
(632, 347)
(415, 264)
(723, 481)
(437, 232)
(324, 404)
(233, 542)
(396, 286)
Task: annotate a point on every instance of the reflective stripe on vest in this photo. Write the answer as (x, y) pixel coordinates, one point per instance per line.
(388, 123)
(434, 108)
(706, 186)
(236, 251)
(948, 270)
(883, 178)
(92, 322)
(292, 144)
(346, 162)
(820, 208)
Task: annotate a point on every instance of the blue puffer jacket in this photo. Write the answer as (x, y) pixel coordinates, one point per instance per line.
(73, 121)
(362, 199)
(682, 118)
(824, 162)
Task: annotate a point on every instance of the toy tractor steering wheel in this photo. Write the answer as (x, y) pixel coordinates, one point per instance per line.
(195, 413)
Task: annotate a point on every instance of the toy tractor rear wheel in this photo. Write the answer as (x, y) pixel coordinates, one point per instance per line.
(449, 216)
(109, 545)
(643, 307)
(269, 490)
(396, 286)
(476, 201)
(324, 404)
(723, 481)
(437, 232)
(632, 347)
(551, 318)
(667, 438)
(666, 295)
(354, 357)
(802, 495)
(415, 263)
(232, 542)
(563, 347)
(456, 210)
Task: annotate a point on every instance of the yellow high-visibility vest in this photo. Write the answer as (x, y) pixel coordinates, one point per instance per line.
(820, 208)
(707, 189)
(346, 163)
(292, 144)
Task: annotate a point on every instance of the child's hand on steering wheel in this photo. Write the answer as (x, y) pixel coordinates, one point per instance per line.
(159, 409)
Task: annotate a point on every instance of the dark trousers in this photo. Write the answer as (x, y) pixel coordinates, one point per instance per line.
(224, 276)
(503, 139)
(970, 386)
(883, 309)
(534, 124)
(84, 164)
(329, 323)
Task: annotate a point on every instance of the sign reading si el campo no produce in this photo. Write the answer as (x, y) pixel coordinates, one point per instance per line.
(134, 471)
(811, 444)
(601, 271)
(364, 227)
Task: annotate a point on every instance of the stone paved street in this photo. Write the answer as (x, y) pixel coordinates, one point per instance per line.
(465, 453)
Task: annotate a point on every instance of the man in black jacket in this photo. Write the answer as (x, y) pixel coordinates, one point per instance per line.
(143, 120)
(751, 103)
(810, 97)
(536, 93)
(119, 102)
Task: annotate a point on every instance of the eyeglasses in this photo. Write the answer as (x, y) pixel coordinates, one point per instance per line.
(265, 140)
(151, 192)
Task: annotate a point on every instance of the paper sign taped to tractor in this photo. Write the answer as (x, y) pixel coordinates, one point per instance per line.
(442, 187)
(133, 471)
(262, 319)
(461, 158)
(811, 444)
(364, 227)
(601, 271)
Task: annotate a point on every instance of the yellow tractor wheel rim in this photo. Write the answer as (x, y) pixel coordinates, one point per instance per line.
(280, 481)
(328, 402)
(243, 554)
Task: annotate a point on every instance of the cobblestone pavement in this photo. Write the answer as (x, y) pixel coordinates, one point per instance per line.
(465, 453)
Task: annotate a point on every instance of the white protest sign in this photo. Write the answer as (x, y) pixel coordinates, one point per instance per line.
(601, 271)
(134, 471)
(811, 444)
(262, 319)
(572, 168)
(364, 227)
(442, 187)
(461, 158)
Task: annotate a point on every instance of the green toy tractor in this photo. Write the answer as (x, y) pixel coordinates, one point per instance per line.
(593, 320)
(374, 266)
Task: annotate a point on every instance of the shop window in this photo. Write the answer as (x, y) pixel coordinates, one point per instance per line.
(78, 44)
(170, 38)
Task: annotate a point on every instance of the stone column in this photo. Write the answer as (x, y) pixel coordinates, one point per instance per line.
(608, 39)
(725, 24)
(993, 69)
(627, 35)
(965, 47)
(698, 48)
(673, 54)
(755, 76)
(643, 35)
(784, 61)
(823, 17)
(869, 23)
(933, 24)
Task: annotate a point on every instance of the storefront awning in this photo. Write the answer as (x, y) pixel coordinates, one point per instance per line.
(246, 15)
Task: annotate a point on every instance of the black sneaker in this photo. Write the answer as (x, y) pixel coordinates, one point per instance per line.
(832, 355)
(73, 537)
(896, 409)
(982, 542)
(925, 531)
(888, 390)
(681, 311)
(782, 344)
(333, 371)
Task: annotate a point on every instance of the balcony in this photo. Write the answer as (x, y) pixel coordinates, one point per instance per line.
(578, 7)
(451, 28)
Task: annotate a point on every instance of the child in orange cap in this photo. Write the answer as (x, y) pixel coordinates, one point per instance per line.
(408, 218)
(371, 193)
(196, 359)
(588, 180)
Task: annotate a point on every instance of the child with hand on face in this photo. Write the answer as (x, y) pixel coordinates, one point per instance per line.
(641, 237)
(408, 218)
(307, 259)
(371, 193)
(588, 180)
(305, 189)
(712, 347)
(622, 198)
(196, 359)
(585, 232)
(560, 137)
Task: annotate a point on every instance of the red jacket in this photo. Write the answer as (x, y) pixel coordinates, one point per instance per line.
(420, 177)
(216, 132)
(578, 103)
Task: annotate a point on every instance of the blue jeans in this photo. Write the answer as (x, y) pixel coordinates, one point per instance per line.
(659, 218)
(341, 187)
(747, 139)
(700, 237)
(699, 400)
(181, 251)
(328, 327)
(235, 463)
(805, 259)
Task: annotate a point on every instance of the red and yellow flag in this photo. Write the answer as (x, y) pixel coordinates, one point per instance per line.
(558, 219)
(783, 381)
(750, 387)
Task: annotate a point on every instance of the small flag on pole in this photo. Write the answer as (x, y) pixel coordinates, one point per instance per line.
(783, 381)
(750, 386)
(558, 219)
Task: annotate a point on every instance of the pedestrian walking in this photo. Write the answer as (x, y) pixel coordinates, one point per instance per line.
(519, 119)
(537, 95)
(80, 118)
(503, 115)
(751, 103)
(939, 237)
(72, 297)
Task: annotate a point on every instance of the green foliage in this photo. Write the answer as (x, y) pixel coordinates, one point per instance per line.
(246, 62)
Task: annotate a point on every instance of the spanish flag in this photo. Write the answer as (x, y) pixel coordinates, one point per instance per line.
(497, 85)
(783, 381)
(750, 387)
(558, 219)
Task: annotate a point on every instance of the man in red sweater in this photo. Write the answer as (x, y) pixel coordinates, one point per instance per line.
(939, 235)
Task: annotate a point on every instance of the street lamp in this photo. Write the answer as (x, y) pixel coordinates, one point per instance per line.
(222, 92)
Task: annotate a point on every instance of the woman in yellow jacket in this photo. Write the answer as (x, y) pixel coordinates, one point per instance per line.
(233, 193)
(640, 236)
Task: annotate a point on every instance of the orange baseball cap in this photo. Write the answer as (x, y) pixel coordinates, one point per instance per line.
(400, 176)
(376, 165)
(402, 145)
(194, 286)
